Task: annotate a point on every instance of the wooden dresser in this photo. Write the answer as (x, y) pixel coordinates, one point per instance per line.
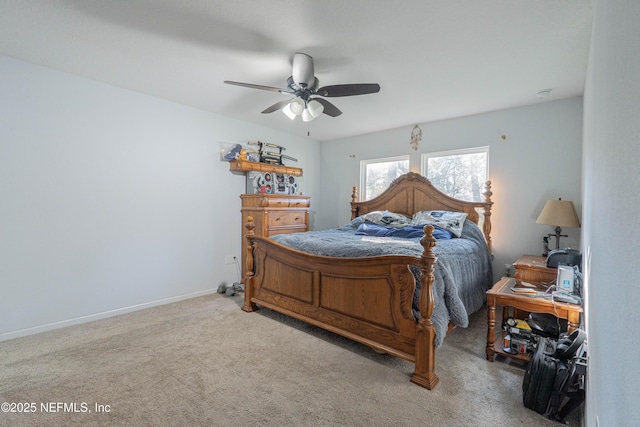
(273, 214)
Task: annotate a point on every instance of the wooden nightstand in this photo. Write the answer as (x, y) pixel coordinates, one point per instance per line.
(502, 295)
(533, 269)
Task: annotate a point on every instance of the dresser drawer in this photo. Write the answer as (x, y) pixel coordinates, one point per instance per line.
(277, 231)
(285, 202)
(287, 219)
(299, 203)
(275, 203)
(260, 201)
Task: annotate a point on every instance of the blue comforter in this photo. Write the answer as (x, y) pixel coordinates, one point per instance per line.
(462, 274)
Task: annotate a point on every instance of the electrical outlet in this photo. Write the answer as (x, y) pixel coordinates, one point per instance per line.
(229, 259)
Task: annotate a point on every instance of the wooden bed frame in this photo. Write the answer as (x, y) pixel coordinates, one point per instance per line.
(368, 300)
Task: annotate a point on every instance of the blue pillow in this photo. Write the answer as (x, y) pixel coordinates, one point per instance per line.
(370, 229)
(439, 233)
(409, 232)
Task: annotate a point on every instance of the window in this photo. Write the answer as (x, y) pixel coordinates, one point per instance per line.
(377, 174)
(458, 173)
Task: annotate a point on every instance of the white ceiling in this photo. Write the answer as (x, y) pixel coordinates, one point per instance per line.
(433, 59)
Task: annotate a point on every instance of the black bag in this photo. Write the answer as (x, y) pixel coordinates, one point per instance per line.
(554, 379)
(539, 377)
(562, 400)
(568, 390)
(546, 325)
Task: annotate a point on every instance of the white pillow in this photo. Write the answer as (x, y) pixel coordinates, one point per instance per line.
(452, 221)
(388, 219)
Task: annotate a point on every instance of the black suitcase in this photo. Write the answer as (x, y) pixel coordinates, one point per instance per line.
(539, 377)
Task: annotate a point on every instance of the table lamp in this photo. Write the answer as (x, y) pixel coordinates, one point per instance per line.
(559, 213)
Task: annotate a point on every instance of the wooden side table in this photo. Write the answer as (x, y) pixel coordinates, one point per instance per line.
(501, 295)
(533, 269)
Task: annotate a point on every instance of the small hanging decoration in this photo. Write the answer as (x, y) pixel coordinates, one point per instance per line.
(416, 137)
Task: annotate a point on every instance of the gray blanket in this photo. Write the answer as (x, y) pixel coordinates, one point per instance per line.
(462, 274)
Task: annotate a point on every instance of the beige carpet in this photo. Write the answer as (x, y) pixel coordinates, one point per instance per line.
(204, 362)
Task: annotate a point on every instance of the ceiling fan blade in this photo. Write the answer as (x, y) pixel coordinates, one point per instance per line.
(252, 86)
(277, 106)
(349, 89)
(329, 108)
(302, 70)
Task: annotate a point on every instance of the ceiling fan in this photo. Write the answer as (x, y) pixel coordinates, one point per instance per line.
(308, 98)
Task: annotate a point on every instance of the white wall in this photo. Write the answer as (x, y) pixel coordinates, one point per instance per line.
(113, 200)
(540, 159)
(610, 217)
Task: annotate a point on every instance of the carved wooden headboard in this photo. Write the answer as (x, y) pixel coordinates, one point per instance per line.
(411, 193)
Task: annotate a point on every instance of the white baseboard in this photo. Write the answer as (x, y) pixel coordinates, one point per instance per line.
(105, 314)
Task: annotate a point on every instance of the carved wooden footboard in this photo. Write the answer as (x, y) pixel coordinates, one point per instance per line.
(370, 299)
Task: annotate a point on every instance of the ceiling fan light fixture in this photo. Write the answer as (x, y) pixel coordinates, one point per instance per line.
(297, 106)
(287, 111)
(308, 97)
(315, 108)
(307, 116)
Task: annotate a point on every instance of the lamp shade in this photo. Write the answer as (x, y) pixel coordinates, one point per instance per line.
(315, 108)
(559, 213)
(287, 111)
(306, 116)
(297, 106)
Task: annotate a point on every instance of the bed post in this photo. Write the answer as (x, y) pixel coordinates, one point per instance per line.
(249, 306)
(424, 374)
(487, 213)
(354, 199)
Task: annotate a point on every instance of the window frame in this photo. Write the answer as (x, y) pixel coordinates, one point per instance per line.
(424, 158)
(363, 169)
